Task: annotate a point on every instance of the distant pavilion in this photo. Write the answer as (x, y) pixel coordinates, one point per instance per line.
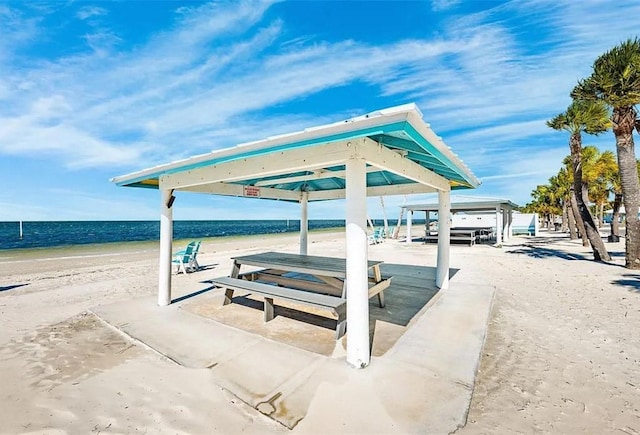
(503, 209)
(387, 152)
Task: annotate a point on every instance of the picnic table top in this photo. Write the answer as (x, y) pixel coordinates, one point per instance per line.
(312, 264)
(454, 231)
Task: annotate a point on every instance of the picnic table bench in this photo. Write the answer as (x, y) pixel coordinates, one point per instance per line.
(336, 305)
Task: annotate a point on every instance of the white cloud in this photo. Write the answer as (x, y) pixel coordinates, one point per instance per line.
(185, 85)
(101, 41)
(16, 32)
(443, 5)
(79, 149)
(509, 176)
(501, 133)
(91, 11)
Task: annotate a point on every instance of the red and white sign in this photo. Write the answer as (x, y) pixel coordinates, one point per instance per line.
(253, 191)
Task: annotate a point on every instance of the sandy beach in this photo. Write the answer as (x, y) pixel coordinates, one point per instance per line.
(561, 354)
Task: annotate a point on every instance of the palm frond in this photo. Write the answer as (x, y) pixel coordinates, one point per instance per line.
(591, 117)
(615, 78)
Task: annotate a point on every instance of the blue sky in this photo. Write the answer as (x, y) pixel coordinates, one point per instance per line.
(91, 90)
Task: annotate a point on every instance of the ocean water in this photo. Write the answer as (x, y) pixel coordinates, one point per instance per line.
(49, 234)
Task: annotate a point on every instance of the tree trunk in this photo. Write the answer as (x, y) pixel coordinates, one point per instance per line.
(565, 217)
(624, 119)
(384, 216)
(578, 218)
(597, 245)
(396, 230)
(584, 187)
(572, 222)
(601, 218)
(370, 223)
(615, 217)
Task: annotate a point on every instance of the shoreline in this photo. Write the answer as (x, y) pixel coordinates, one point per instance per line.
(108, 248)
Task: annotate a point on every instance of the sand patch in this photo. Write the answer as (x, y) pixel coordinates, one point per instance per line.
(67, 351)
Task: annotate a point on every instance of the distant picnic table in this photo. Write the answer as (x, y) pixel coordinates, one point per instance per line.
(463, 234)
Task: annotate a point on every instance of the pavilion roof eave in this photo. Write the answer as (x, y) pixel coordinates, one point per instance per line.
(402, 120)
(316, 134)
(483, 205)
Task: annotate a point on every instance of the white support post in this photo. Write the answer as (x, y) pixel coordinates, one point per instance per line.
(511, 223)
(409, 223)
(166, 236)
(505, 226)
(498, 227)
(304, 223)
(358, 354)
(427, 229)
(444, 234)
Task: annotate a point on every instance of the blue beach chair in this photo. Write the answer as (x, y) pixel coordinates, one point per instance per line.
(376, 237)
(186, 259)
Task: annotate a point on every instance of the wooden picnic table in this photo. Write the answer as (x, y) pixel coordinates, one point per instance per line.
(309, 272)
(307, 279)
(310, 264)
(463, 234)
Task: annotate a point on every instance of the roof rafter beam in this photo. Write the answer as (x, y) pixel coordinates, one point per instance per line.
(423, 158)
(388, 160)
(230, 189)
(276, 163)
(397, 189)
(317, 175)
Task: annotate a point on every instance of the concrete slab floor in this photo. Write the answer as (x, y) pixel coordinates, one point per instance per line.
(425, 351)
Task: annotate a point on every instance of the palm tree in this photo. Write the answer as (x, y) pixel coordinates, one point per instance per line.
(573, 202)
(576, 215)
(616, 188)
(544, 203)
(565, 180)
(616, 81)
(591, 117)
(598, 170)
(562, 186)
